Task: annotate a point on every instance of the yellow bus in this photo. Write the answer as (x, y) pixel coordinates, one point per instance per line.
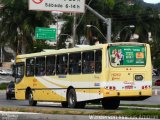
(105, 73)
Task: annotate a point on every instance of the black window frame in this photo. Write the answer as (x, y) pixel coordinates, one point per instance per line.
(40, 67)
(75, 65)
(30, 75)
(88, 66)
(51, 71)
(98, 68)
(61, 69)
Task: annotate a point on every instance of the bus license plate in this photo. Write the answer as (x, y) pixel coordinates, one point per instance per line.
(128, 87)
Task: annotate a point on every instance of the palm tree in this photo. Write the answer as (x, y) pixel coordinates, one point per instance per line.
(18, 23)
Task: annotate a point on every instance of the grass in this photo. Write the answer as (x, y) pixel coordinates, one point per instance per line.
(3, 86)
(126, 113)
(137, 105)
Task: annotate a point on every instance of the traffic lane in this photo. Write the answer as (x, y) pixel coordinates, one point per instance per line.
(50, 105)
(25, 104)
(154, 100)
(6, 79)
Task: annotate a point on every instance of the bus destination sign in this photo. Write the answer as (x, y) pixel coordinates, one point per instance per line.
(76, 6)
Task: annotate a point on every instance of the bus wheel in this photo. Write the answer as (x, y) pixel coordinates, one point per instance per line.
(71, 98)
(64, 104)
(31, 101)
(110, 103)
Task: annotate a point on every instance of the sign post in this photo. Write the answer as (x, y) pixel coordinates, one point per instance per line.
(74, 6)
(58, 5)
(45, 33)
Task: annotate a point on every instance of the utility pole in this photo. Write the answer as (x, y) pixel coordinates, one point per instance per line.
(74, 30)
(1, 55)
(109, 23)
(106, 20)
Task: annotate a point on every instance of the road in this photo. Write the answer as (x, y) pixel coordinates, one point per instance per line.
(154, 100)
(54, 106)
(6, 79)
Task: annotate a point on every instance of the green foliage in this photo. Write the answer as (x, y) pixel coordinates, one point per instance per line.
(3, 86)
(15, 15)
(18, 24)
(39, 45)
(156, 62)
(145, 18)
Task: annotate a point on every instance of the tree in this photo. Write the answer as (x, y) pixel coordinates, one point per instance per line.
(18, 24)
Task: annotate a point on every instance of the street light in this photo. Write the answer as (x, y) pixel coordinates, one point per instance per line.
(129, 26)
(68, 36)
(89, 26)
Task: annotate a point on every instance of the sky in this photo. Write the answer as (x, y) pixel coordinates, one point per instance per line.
(152, 1)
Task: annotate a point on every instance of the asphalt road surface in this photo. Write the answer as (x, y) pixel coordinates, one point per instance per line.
(154, 100)
(55, 106)
(6, 79)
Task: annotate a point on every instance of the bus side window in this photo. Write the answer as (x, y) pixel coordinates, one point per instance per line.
(50, 65)
(75, 63)
(30, 67)
(98, 61)
(40, 66)
(88, 62)
(62, 64)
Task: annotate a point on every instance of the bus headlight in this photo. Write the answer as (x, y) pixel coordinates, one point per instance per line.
(138, 77)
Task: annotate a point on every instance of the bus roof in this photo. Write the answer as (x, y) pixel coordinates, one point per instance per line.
(61, 51)
(78, 48)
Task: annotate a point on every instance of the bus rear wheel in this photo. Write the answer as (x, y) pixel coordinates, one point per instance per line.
(110, 103)
(31, 101)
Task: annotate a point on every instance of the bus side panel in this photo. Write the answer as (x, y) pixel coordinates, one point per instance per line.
(19, 94)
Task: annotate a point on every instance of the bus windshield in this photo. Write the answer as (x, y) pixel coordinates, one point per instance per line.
(127, 55)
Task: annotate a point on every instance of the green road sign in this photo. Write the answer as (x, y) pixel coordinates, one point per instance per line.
(45, 33)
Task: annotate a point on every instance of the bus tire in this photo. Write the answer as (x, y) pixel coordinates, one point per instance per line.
(110, 103)
(72, 99)
(64, 104)
(31, 101)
